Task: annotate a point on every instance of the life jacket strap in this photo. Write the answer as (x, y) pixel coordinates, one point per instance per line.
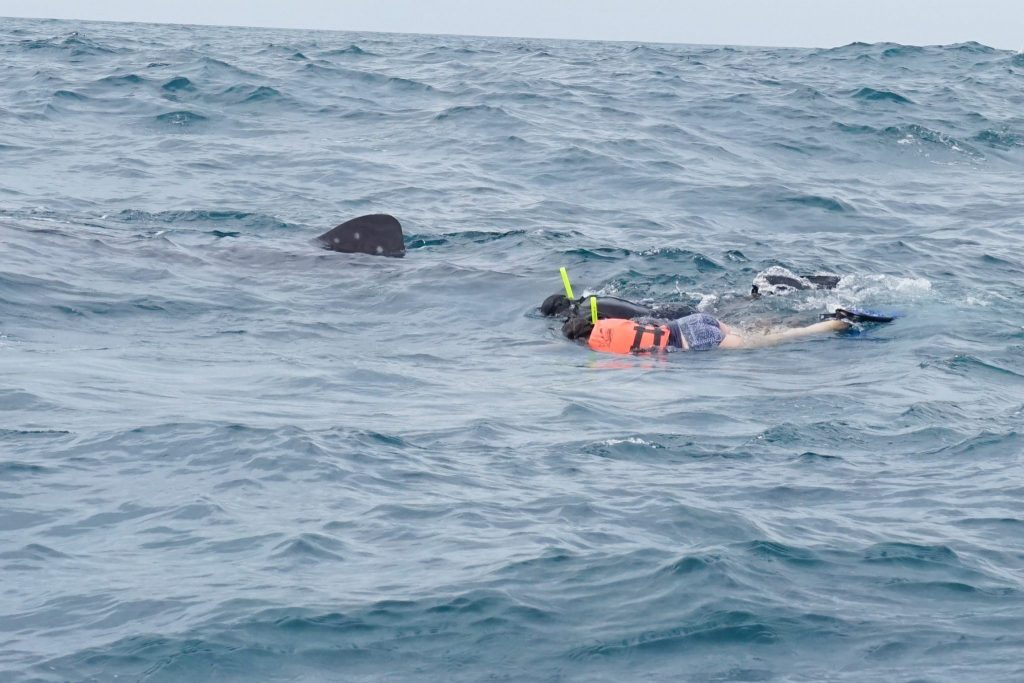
(639, 329)
(638, 338)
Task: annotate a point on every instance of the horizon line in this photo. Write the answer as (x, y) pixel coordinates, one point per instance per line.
(509, 37)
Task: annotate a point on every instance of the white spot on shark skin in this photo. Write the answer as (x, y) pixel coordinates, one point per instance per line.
(380, 249)
(356, 235)
(337, 239)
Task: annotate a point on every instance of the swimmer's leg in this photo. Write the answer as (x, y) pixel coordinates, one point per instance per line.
(733, 341)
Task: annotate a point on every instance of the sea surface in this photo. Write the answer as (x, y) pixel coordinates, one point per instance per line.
(229, 455)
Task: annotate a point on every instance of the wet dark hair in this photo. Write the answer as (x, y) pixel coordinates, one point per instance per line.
(555, 305)
(577, 327)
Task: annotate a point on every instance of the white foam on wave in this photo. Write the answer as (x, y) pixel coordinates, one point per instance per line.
(867, 290)
(885, 285)
(705, 301)
(634, 440)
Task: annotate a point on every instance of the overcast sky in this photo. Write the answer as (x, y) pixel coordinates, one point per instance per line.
(796, 23)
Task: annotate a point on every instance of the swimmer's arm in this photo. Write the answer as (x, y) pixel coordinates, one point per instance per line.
(734, 341)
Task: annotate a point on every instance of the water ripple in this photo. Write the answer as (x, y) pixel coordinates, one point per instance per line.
(229, 454)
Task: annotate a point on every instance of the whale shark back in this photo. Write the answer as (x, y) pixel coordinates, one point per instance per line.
(378, 234)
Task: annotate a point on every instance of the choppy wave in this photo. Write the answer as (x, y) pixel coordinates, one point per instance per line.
(230, 455)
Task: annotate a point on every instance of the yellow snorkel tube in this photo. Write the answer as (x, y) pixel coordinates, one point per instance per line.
(572, 297)
(565, 281)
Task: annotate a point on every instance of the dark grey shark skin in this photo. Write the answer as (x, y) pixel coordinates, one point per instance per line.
(377, 234)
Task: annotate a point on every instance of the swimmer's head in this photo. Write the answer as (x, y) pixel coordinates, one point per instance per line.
(577, 327)
(555, 305)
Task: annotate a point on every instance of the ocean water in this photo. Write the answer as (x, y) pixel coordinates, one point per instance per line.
(229, 455)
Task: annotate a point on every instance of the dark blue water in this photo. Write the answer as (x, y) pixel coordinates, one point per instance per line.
(228, 455)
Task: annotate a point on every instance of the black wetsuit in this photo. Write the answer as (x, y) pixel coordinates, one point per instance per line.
(613, 307)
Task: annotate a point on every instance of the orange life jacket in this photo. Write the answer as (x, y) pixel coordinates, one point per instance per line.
(616, 335)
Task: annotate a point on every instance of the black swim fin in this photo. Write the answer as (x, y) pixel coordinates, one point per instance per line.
(860, 315)
(377, 234)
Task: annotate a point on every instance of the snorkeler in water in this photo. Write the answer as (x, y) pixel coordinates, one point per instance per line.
(621, 326)
(698, 332)
(775, 280)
